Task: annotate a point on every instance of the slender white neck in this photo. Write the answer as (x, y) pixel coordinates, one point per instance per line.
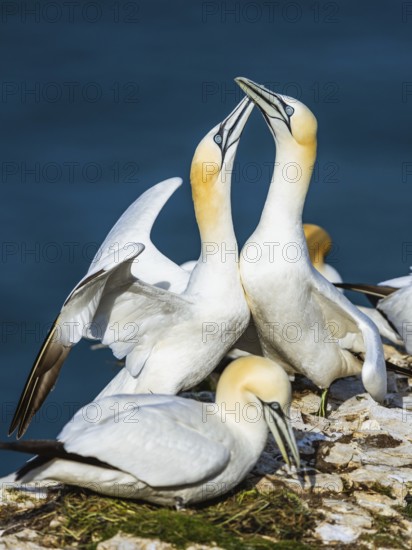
(219, 233)
(214, 217)
(284, 204)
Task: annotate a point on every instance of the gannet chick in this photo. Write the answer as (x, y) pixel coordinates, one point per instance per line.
(303, 321)
(166, 449)
(171, 339)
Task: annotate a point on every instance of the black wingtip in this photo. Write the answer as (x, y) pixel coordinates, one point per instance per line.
(21, 431)
(15, 423)
(46, 450)
(41, 381)
(11, 431)
(374, 293)
(380, 291)
(391, 367)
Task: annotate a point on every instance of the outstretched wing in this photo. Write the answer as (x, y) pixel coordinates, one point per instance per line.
(131, 317)
(76, 314)
(121, 247)
(134, 226)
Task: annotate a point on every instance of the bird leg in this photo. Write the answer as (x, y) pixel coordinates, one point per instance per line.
(322, 411)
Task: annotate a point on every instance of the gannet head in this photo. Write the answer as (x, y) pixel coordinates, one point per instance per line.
(287, 118)
(260, 380)
(214, 156)
(319, 243)
(212, 164)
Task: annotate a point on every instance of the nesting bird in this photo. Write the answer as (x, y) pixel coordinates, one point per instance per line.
(167, 449)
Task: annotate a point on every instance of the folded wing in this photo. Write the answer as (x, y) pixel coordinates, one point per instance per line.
(163, 441)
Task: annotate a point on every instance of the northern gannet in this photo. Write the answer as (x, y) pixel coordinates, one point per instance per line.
(320, 244)
(124, 243)
(399, 282)
(167, 449)
(393, 302)
(303, 321)
(172, 326)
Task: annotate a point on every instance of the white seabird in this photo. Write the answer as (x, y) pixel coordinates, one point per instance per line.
(303, 321)
(166, 449)
(319, 244)
(393, 302)
(171, 339)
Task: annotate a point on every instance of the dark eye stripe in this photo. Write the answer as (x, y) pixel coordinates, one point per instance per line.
(285, 117)
(268, 117)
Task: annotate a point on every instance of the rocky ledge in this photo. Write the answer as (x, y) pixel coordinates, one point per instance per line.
(354, 490)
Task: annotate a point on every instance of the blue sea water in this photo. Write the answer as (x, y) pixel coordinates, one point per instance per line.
(101, 101)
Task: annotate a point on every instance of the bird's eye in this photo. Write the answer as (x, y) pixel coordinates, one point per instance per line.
(275, 406)
(289, 110)
(218, 139)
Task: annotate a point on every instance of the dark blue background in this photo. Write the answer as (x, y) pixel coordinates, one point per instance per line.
(163, 72)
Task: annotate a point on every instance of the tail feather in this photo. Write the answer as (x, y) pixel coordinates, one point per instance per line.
(47, 450)
(399, 370)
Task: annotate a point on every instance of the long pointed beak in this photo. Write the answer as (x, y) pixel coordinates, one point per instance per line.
(283, 434)
(268, 102)
(232, 126)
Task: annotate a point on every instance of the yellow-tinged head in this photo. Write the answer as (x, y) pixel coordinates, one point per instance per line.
(258, 376)
(254, 379)
(212, 163)
(287, 117)
(319, 243)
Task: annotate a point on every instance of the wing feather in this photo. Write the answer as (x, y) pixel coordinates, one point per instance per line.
(163, 441)
(350, 322)
(134, 226)
(373, 292)
(78, 310)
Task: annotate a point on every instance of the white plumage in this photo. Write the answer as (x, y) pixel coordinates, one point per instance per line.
(303, 321)
(172, 326)
(393, 308)
(168, 449)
